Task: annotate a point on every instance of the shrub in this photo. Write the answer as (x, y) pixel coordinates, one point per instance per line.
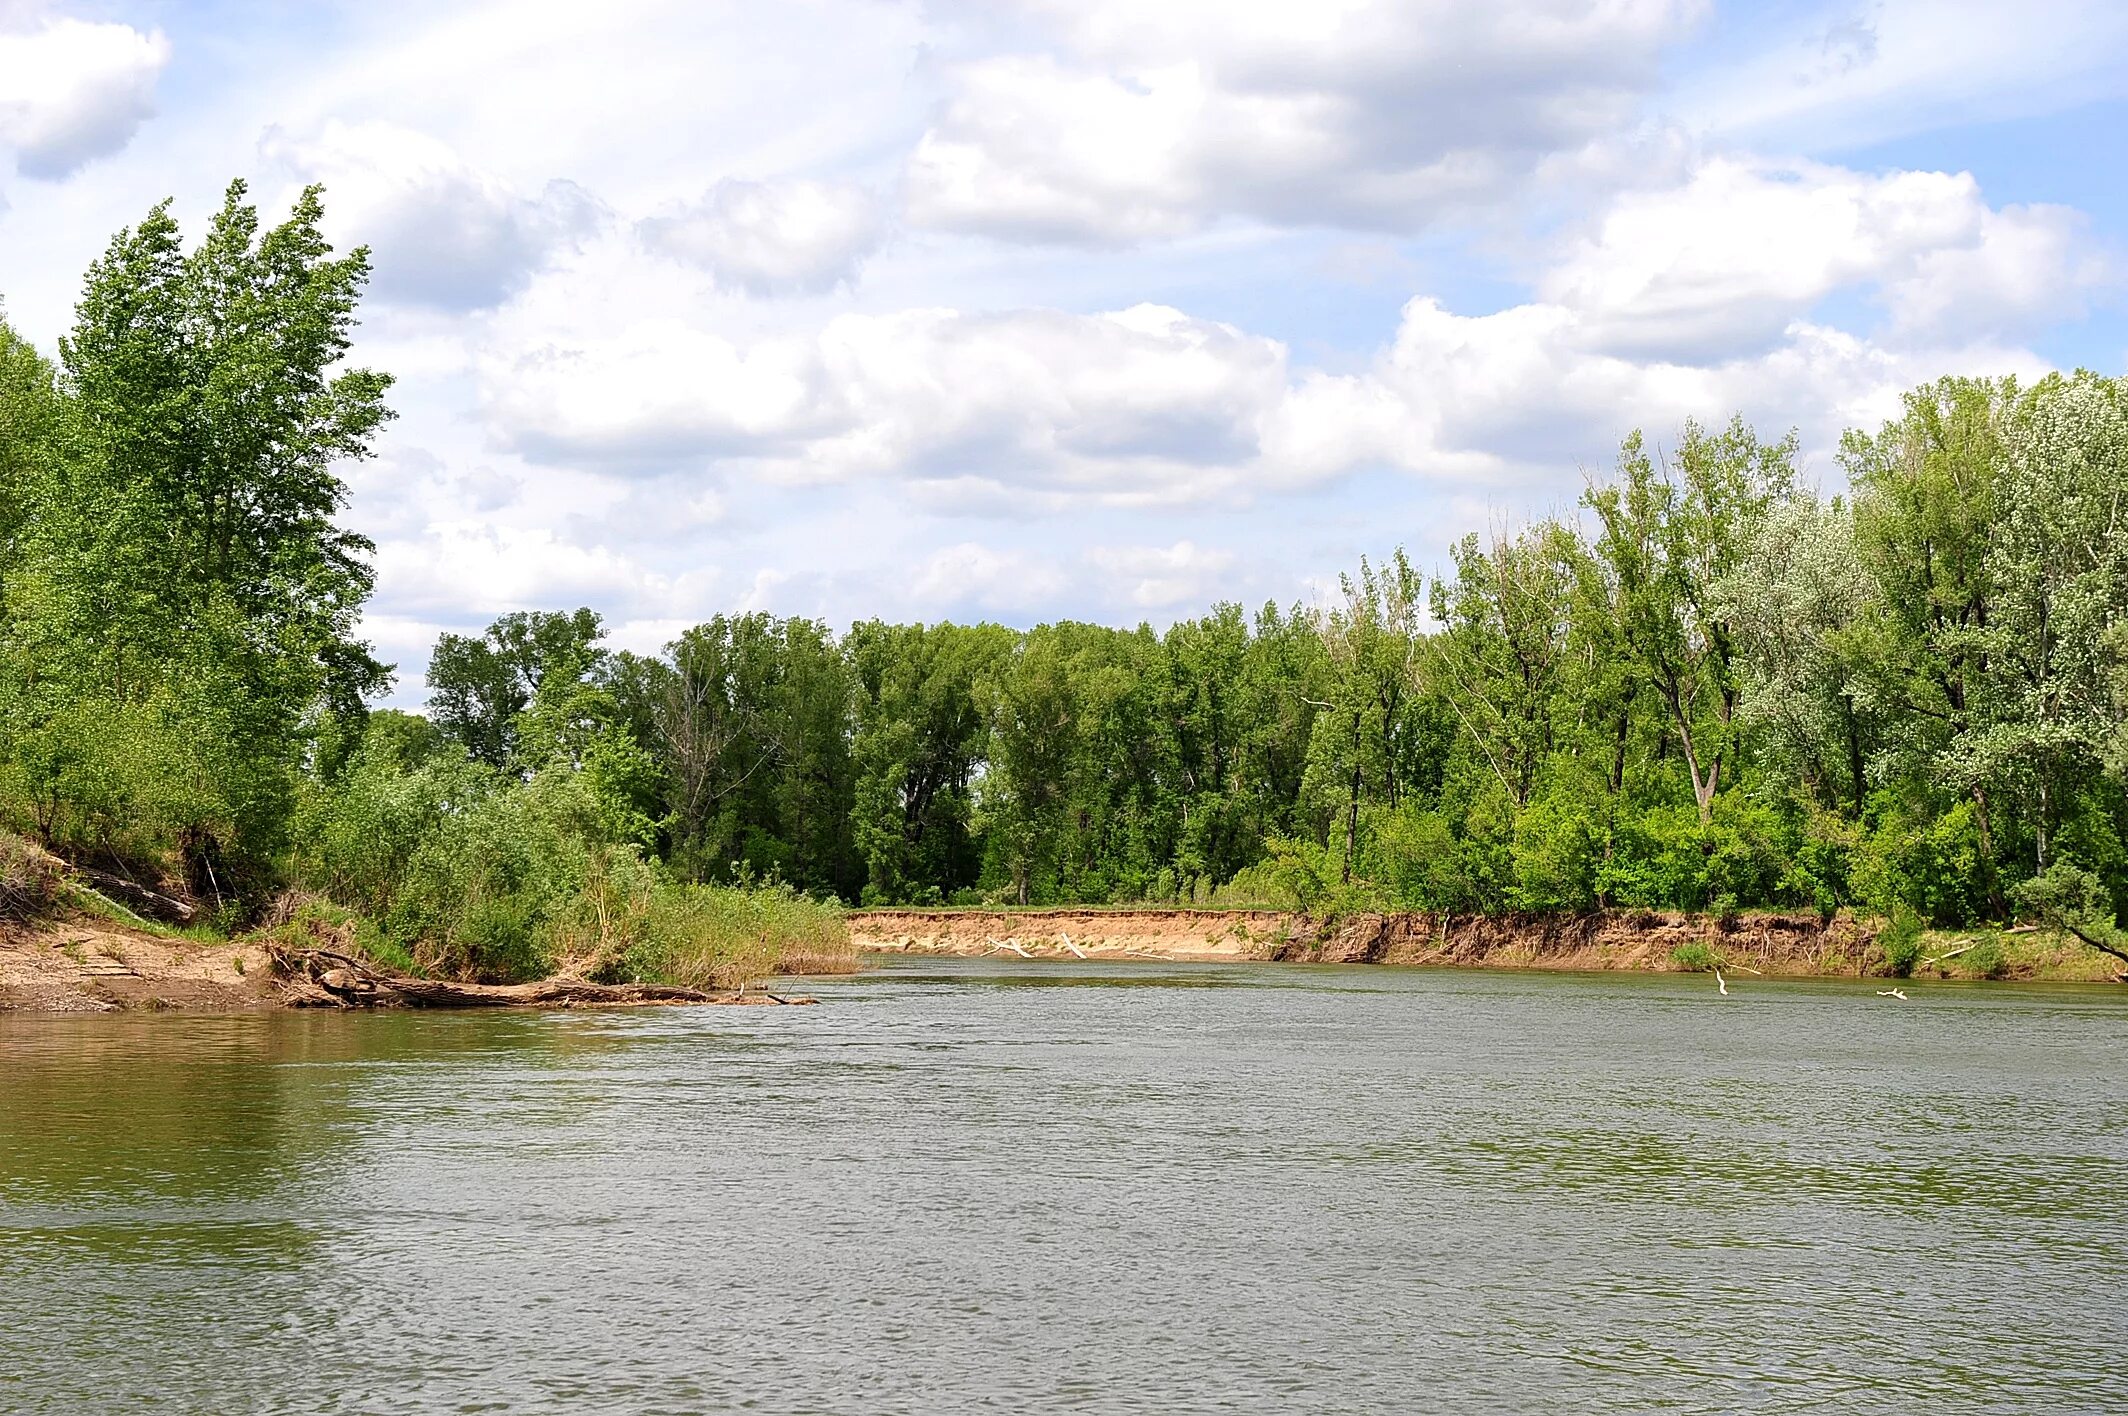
(1417, 860)
(1932, 863)
(1694, 957)
(1901, 942)
(1986, 959)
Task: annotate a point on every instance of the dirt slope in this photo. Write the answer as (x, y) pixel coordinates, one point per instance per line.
(1794, 945)
(90, 965)
(1213, 935)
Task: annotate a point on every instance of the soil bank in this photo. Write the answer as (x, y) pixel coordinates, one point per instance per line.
(1773, 944)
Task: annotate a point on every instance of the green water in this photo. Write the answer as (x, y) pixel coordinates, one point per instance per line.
(979, 1188)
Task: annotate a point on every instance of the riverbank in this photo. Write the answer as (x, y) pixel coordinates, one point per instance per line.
(1784, 945)
(84, 963)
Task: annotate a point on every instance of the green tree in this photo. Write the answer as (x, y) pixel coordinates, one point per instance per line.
(480, 686)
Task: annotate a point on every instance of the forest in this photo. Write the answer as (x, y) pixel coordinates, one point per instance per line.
(1710, 687)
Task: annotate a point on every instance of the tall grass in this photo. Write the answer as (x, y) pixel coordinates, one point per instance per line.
(731, 936)
(29, 878)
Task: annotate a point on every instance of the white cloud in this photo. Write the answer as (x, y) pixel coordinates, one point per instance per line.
(1723, 263)
(789, 236)
(1693, 300)
(1163, 577)
(973, 576)
(471, 571)
(72, 91)
(1144, 404)
(442, 233)
(1374, 113)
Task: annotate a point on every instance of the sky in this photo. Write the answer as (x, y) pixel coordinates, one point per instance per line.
(1100, 309)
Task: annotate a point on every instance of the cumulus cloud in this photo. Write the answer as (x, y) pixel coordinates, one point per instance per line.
(770, 238)
(442, 233)
(471, 571)
(1695, 300)
(1162, 577)
(1723, 263)
(1142, 404)
(974, 576)
(1153, 120)
(73, 91)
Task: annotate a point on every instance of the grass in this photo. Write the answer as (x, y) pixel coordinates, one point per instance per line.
(29, 878)
(90, 901)
(725, 936)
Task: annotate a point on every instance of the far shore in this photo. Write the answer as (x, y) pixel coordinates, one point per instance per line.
(1785, 945)
(86, 964)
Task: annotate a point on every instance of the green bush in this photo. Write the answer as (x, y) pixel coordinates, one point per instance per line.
(1931, 863)
(1987, 959)
(1557, 850)
(1694, 957)
(1416, 862)
(1901, 942)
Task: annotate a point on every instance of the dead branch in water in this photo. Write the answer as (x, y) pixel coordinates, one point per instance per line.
(326, 978)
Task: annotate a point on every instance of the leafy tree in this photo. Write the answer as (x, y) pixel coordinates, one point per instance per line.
(480, 686)
(180, 579)
(1671, 536)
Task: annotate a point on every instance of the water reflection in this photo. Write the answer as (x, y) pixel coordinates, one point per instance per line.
(993, 1186)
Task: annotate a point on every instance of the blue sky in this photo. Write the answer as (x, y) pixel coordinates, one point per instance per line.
(1102, 308)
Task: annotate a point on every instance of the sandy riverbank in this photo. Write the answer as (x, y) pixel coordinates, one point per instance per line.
(87, 963)
(1785, 945)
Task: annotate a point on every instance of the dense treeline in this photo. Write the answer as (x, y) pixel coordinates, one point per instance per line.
(1709, 687)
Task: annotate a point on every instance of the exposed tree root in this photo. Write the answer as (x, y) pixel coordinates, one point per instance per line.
(323, 978)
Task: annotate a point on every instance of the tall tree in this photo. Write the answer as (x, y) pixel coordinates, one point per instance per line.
(480, 685)
(1670, 536)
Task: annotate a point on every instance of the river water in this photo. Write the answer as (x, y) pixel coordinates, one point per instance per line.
(972, 1187)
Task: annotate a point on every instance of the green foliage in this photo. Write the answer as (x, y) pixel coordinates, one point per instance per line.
(1932, 862)
(1694, 957)
(1987, 959)
(1901, 942)
(1711, 690)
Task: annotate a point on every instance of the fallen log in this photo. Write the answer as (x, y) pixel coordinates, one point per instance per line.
(325, 978)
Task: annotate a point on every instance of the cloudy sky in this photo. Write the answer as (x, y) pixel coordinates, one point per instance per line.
(1101, 308)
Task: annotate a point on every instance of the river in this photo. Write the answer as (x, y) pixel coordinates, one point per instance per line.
(967, 1186)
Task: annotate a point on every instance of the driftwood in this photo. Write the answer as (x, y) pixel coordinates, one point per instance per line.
(138, 897)
(325, 978)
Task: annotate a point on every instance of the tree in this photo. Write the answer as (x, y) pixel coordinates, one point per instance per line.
(2043, 712)
(184, 603)
(479, 686)
(1798, 600)
(30, 417)
(1498, 658)
(1925, 502)
(1670, 536)
(919, 739)
(213, 422)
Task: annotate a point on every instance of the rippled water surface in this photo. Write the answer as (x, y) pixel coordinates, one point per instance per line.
(972, 1187)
